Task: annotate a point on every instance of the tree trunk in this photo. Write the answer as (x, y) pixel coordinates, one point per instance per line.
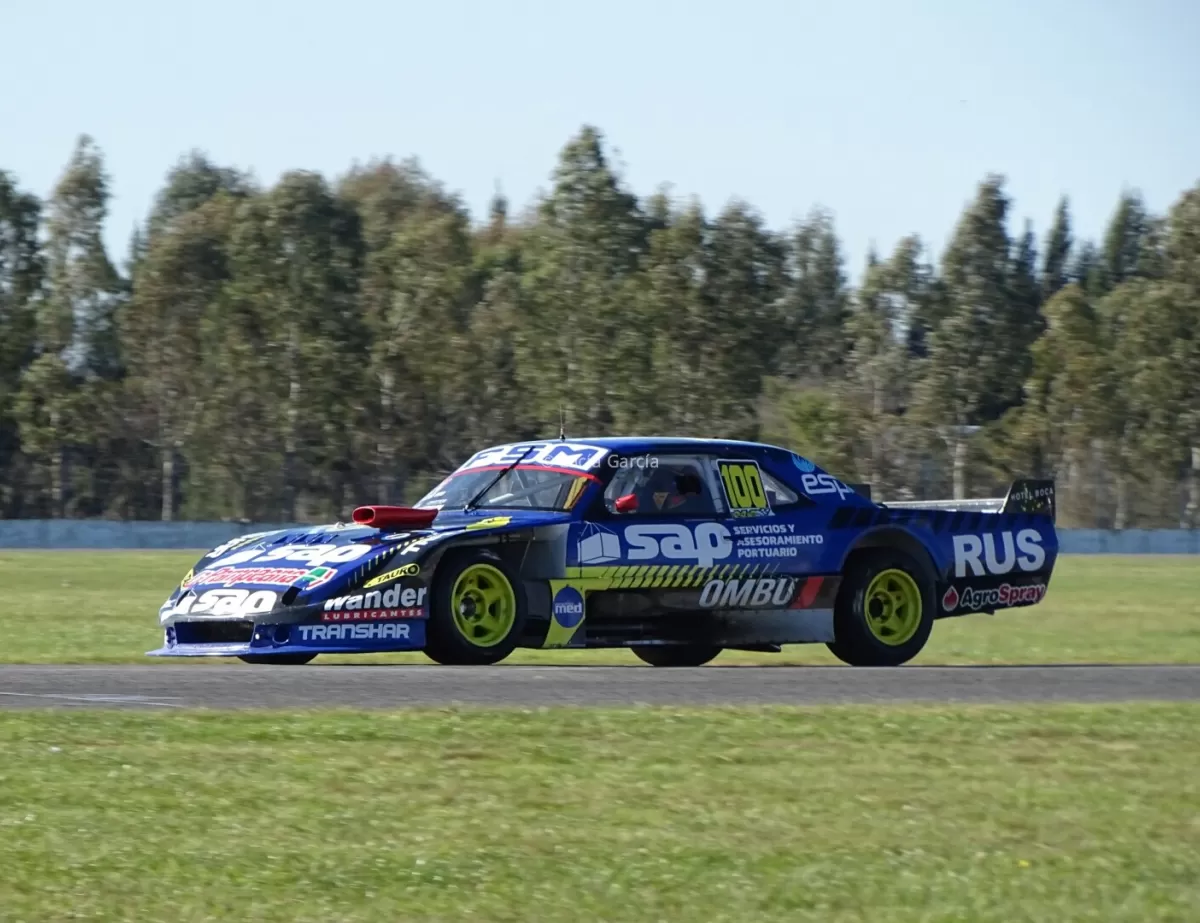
(292, 420)
(1121, 515)
(1191, 513)
(960, 468)
(1074, 479)
(168, 482)
(873, 476)
(58, 469)
(385, 447)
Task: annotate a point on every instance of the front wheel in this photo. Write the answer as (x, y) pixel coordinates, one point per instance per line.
(884, 610)
(295, 660)
(478, 610)
(676, 655)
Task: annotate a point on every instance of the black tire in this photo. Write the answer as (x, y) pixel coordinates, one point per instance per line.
(296, 660)
(860, 645)
(445, 641)
(676, 655)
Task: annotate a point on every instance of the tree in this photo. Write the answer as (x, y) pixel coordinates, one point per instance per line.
(1124, 242)
(745, 282)
(77, 317)
(587, 242)
(290, 351)
(1058, 252)
(886, 320)
(681, 384)
(193, 182)
(20, 281)
(75, 325)
(180, 277)
(1066, 395)
(968, 376)
(815, 305)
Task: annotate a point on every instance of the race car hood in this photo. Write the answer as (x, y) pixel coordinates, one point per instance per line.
(306, 565)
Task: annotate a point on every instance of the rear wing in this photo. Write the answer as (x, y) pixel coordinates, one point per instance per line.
(1025, 495)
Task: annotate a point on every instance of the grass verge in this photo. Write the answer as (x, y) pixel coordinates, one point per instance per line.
(101, 607)
(987, 813)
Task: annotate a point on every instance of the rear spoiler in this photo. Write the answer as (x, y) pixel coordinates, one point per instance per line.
(1025, 495)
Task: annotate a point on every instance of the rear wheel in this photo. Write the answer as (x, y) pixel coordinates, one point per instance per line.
(676, 655)
(884, 611)
(478, 610)
(292, 659)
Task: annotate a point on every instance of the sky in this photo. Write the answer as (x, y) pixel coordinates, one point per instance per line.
(888, 114)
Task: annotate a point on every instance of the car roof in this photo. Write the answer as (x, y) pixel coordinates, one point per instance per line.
(644, 443)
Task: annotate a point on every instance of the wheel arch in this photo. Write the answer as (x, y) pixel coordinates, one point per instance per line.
(899, 539)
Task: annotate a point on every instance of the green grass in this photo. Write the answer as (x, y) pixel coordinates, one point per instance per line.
(76, 607)
(986, 813)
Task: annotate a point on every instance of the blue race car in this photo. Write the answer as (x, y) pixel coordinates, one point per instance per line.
(676, 548)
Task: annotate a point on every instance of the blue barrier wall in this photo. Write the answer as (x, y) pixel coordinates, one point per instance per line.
(1129, 541)
(97, 533)
(91, 533)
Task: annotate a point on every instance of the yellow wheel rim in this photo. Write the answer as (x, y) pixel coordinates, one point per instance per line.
(484, 605)
(893, 607)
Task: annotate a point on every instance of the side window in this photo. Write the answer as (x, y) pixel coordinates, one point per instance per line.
(662, 485)
(751, 491)
(778, 493)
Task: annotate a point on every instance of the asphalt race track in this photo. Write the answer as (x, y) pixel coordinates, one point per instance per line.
(377, 686)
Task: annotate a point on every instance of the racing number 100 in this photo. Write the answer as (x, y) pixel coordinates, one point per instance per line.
(743, 486)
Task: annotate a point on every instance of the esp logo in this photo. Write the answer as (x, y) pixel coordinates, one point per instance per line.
(704, 543)
(816, 484)
(1024, 552)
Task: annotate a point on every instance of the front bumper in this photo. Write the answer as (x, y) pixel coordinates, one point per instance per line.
(235, 637)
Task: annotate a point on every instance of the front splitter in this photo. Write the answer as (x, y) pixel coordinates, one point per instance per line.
(332, 638)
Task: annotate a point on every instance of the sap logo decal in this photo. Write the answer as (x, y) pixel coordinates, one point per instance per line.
(568, 607)
(752, 593)
(387, 631)
(824, 484)
(705, 543)
(598, 545)
(314, 555)
(235, 543)
(969, 548)
(396, 597)
(226, 603)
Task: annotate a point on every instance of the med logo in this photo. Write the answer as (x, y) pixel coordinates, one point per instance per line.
(568, 607)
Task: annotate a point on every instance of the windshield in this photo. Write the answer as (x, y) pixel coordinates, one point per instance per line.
(529, 487)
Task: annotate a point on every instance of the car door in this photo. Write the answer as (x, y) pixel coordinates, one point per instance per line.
(770, 523)
(660, 510)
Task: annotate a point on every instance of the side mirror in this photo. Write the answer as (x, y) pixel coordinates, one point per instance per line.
(626, 504)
